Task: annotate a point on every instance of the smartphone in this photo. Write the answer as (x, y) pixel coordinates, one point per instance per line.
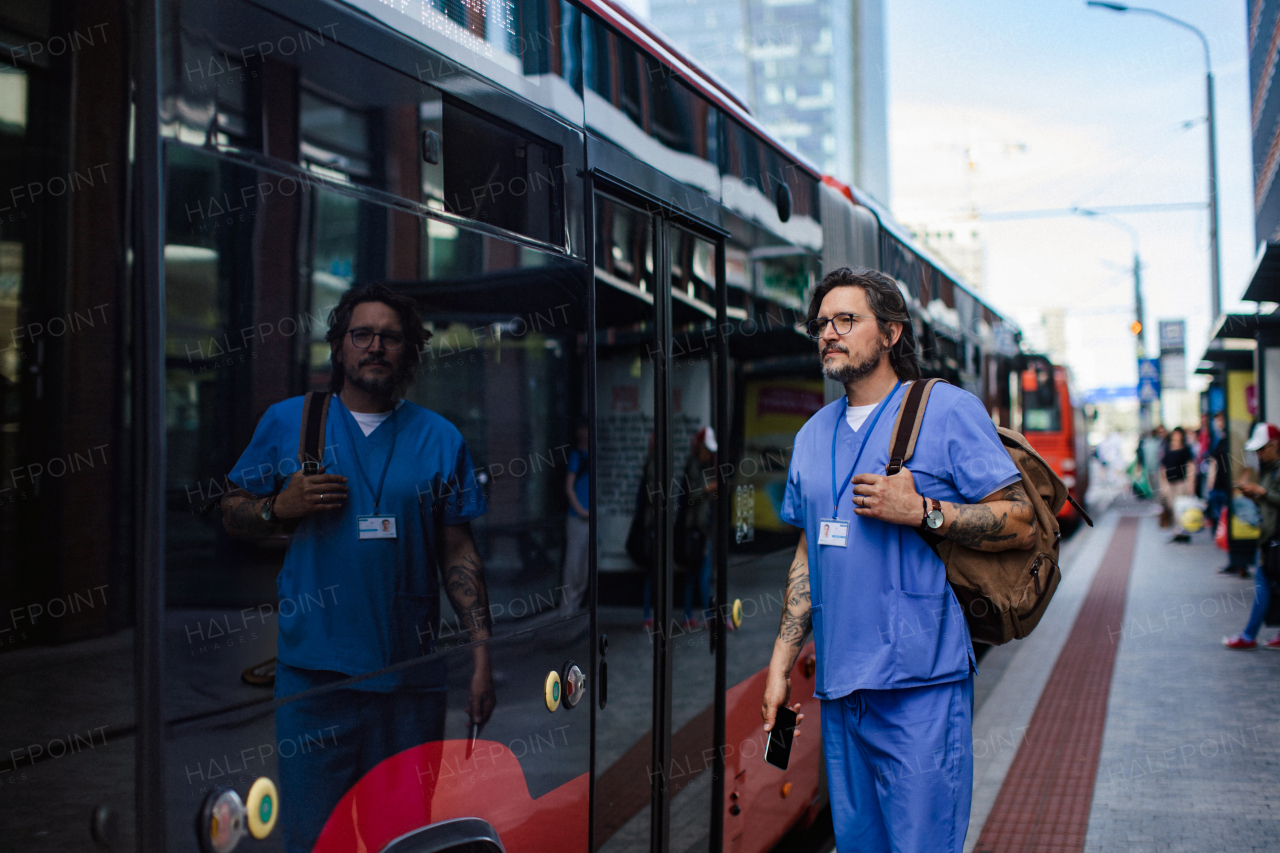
(778, 752)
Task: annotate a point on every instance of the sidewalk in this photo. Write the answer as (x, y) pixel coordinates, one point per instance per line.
(1188, 756)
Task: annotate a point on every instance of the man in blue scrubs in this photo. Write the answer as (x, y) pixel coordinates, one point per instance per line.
(376, 531)
(895, 665)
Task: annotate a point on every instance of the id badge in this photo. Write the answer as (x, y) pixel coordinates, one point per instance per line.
(833, 531)
(376, 526)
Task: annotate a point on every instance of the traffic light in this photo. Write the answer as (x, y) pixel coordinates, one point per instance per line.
(1135, 327)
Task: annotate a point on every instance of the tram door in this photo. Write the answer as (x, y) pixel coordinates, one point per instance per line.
(655, 282)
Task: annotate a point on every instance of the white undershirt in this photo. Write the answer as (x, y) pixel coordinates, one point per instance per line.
(857, 415)
(369, 421)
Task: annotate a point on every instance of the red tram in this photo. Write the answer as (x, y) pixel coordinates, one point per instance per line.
(1054, 423)
(594, 231)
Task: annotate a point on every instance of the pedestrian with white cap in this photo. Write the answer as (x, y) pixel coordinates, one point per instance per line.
(1265, 441)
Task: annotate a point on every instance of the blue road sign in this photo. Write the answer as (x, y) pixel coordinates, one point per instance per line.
(1148, 380)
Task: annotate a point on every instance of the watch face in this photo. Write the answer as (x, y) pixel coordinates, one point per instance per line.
(267, 511)
(934, 519)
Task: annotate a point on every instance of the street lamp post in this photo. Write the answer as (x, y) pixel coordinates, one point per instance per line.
(1215, 288)
(1144, 409)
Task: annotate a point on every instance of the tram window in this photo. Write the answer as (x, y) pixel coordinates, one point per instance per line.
(335, 138)
(628, 79)
(786, 278)
(1040, 409)
(501, 176)
(624, 248)
(649, 93)
(693, 269)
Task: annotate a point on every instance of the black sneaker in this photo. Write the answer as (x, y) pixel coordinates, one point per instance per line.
(1229, 570)
(1181, 537)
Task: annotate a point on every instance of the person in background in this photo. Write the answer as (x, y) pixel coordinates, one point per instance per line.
(1150, 449)
(1218, 482)
(577, 527)
(1175, 479)
(700, 494)
(1202, 445)
(1265, 441)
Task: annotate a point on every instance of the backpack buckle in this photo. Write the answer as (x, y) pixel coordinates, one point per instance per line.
(895, 465)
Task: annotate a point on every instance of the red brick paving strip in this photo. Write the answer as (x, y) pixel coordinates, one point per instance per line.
(1043, 805)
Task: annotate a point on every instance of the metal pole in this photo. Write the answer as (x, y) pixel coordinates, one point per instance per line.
(148, 398)
(1215, 292)
(1144, 407)
(1215, 272)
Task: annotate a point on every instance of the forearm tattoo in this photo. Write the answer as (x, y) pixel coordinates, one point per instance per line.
(241, 515)
(796, 618)
(465, 586)
(985, 526)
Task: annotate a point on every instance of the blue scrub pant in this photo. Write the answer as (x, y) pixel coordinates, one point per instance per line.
(341, 734)
(900, 768)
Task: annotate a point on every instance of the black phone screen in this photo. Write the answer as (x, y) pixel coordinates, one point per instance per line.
(778, 752)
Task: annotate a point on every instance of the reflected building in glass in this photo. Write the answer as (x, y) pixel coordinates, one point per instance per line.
(812, 72)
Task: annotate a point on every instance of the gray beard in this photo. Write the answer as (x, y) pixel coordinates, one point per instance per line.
(850, 373)
(378, 386)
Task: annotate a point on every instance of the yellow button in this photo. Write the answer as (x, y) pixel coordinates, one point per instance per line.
(262, 805)
(736, 615)
(552, 690)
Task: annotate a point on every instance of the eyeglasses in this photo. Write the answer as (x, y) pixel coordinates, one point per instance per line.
(842, 323)
(363, 338)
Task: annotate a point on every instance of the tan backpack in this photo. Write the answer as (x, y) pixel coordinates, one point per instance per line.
(1003, 593)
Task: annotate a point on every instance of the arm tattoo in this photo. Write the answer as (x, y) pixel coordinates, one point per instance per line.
(796, 618)
(241, 515)
(979, 526)
(465, 586)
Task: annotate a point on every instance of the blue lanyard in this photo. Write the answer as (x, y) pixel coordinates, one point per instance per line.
(355, 453)
(836, 495)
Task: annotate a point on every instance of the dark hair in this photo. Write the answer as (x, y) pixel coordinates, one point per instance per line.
(415, 336)
(886, 302)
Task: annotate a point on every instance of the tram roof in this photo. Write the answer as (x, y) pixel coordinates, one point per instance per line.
(661, 48)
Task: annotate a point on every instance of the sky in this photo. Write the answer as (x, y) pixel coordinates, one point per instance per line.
(1057, 105)
(1065, 106)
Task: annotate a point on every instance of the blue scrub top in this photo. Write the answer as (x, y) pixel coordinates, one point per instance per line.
(355, 605)
(883, 613)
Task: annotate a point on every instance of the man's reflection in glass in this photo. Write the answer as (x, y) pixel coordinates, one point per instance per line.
(374, 534)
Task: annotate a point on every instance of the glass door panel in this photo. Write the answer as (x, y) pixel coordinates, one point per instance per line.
(368, 722)
(692, 496)
(626, 523)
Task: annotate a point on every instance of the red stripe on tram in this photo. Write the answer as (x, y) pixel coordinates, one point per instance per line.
(1043, 805)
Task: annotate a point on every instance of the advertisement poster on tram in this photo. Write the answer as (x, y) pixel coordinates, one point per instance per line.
(774, 411)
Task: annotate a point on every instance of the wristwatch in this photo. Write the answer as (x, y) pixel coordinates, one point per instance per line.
(932, 517)
(268, 511)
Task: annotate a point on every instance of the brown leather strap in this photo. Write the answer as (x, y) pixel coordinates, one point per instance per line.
(906, 429)
(315, 413)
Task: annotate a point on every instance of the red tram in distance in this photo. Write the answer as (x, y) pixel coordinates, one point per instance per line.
(596, 233)
(1053, 421)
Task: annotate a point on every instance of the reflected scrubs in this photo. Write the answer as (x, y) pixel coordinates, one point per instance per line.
(350, 606)
(354, 605)
(894, 658)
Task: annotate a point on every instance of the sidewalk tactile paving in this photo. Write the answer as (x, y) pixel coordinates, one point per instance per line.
(1044, 803)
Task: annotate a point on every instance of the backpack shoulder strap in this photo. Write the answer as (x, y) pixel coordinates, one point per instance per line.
(906, 429)
(315, 413)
